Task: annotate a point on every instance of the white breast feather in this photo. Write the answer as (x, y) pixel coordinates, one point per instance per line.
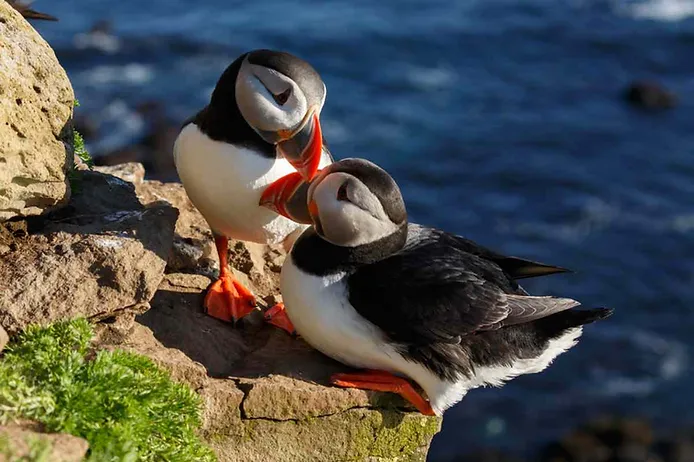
(225, 183)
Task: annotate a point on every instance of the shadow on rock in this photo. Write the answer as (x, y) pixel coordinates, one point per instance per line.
(252, 352)
(103, 253)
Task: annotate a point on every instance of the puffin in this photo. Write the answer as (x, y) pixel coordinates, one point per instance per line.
(405, 302)
(28, 12)
(261, 124)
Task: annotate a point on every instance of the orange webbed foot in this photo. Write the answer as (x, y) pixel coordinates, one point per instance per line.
(383, 381)
(229, 300)
(277, 316)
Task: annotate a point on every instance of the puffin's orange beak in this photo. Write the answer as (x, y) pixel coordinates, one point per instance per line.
(307, 160)
(282, 197)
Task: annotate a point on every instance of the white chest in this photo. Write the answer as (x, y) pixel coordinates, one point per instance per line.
(321, 313)
(225, 183)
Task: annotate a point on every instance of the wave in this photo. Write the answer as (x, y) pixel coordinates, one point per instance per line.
(430, 79)
(130, 74)
(659, 10)
(597, 215)
(655, 360)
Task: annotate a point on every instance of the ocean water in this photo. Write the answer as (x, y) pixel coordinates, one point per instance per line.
(501, 120)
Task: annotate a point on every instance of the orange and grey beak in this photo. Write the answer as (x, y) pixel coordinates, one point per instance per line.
(288, 197)
(305, 148)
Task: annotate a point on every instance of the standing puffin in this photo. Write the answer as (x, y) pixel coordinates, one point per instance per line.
(369, 290)
(261, 124)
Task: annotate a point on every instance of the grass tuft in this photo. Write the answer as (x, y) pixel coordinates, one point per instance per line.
(81, 151)
(83, 154)
(123, 404)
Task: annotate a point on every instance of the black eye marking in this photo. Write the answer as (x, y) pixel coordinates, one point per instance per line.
(282, 97)
(342, 192)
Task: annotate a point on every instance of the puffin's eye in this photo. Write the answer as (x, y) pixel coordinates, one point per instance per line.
(342, 192)
(282, 97)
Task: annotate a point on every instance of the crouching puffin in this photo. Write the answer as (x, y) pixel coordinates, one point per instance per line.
(262, 123)
(405, 301)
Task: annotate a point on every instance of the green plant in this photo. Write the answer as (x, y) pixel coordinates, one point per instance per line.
(81, 151)
(122, 403)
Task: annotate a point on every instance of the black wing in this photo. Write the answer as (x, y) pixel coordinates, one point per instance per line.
(517, 268)
(432, 291)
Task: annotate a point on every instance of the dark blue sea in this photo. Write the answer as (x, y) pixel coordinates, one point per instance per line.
(502, 120)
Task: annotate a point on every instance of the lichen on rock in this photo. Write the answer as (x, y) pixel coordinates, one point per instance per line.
(359, 434)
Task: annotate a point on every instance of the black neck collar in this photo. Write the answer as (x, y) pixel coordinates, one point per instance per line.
(314, 255)
(227, 127)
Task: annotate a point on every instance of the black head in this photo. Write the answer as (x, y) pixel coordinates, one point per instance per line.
(376, 180)
(296, 69)
(356, 209)
(354, 202)
(269, 99)
(274, 92)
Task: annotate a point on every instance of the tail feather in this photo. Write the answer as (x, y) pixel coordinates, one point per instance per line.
(515, 267)
(520, 268)
(30, 13)
(33, 14)
(558, 323)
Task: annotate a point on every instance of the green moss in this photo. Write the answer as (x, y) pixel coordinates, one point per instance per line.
(404, 438)
(5, 449)
(392, 436)
(121, 403)
(39, 450)
(354, 435)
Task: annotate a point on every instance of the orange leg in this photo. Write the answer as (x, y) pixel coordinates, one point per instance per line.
(277, 316)
(383, 381)
(227, 299)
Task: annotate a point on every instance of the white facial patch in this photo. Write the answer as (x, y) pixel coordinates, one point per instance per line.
(322, 101)
(354, 222)
(255, 86)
